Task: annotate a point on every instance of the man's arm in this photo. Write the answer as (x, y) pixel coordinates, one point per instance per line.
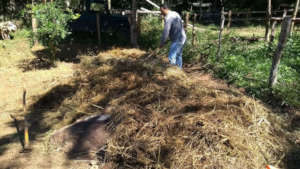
(166, 32)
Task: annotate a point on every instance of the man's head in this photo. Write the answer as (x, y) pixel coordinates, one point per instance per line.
(164, 9)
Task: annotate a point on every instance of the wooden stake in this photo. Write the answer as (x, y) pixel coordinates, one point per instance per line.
(220, 33)
(98, 28)
(186, 20)
(295, 14)
(274, 26)
(109, 5)
(273, 31)
(284, 34)
(268, 20)
(193, 33)
(26, 126)
(133, 25)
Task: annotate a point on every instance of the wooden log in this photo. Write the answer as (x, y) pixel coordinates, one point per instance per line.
(295, 14)
(98, 28)
(280, 19)
(220, 34)
(229, 19)
(268, 21)
(284, 34)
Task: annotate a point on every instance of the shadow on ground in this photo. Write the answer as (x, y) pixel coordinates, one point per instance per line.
(37, 116)
(66, 53)
(293, 158)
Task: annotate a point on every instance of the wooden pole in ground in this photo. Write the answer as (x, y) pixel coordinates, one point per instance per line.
(274, 26)
(109, 5)
(133, 24)
(284, 34)
(193, 33)
(34, 26)
(229, 19)
(247, 16)
(220, 33)
(272, 36)
(186, 20)
(98, 28)
(26, 125)
(268, 20)
(201, 10)
(295, 14)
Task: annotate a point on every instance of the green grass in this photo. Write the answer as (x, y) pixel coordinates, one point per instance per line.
(243, 63)
(14, 50)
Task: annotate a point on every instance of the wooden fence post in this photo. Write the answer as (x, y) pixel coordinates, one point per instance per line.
(247, 16)
(193, 38)
(98, 28)
(34, 25)
(274, 26)
(109, 5)
(187, 16)
(284, 34)
(268, 20)
(295, 14)
(220, 33)
(229, 19)
(272, 36)
(133, 25)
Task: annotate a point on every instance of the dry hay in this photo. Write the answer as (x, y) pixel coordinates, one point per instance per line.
(163, 119)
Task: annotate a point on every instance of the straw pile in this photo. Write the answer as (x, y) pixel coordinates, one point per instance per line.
(164, 119)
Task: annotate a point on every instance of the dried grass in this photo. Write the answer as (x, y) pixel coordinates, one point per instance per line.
(164, 119)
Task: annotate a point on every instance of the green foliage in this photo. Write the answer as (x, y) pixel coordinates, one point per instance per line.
(245, 64)
(248, 66)
(53, 22)
(151, 32)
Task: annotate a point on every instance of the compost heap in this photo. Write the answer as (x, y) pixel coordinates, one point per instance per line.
(162, 118)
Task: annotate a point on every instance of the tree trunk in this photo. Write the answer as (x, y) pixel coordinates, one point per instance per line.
(268, 20)
(285, 31)
(295, 14)
(220, 33)
(133, 25)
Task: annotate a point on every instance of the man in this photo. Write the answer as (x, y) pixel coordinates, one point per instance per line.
(174, 30)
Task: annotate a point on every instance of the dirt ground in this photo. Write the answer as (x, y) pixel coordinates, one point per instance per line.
(36, 82)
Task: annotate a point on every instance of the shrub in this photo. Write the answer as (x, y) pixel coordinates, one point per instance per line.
(53, 22)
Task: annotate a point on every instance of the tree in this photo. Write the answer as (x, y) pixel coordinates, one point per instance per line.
(53, 25)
